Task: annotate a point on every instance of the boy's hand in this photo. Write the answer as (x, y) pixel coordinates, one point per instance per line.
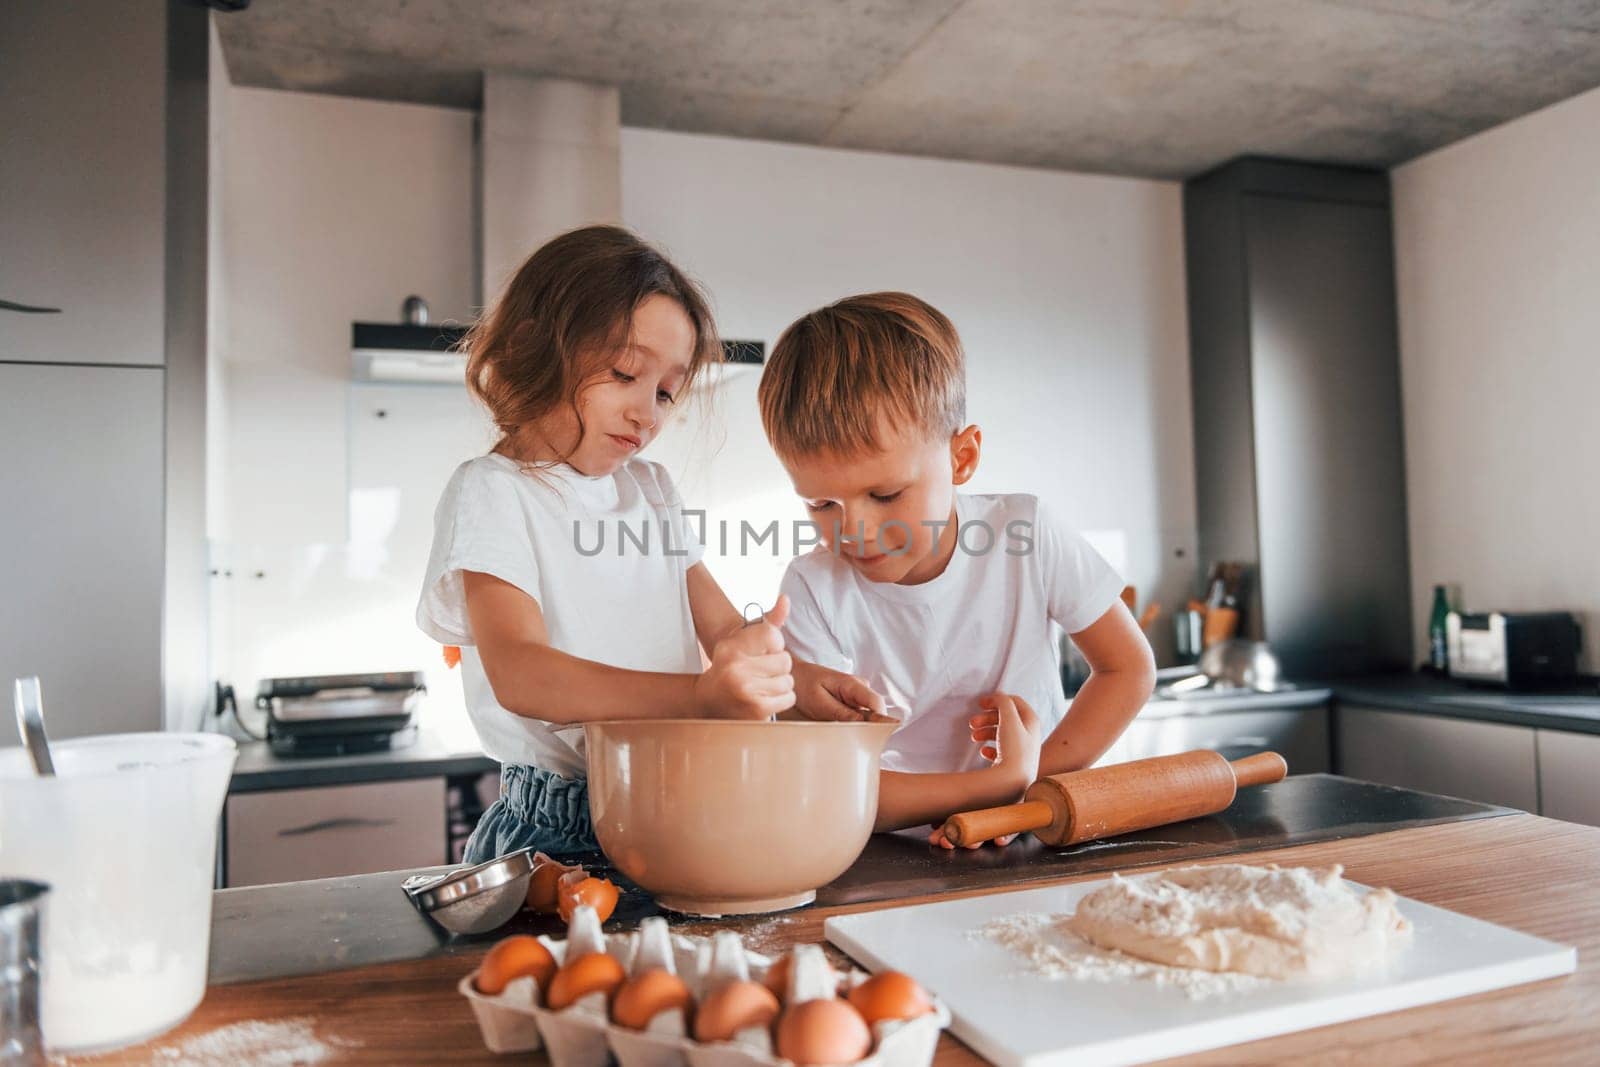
(826, 695)
(750, 674)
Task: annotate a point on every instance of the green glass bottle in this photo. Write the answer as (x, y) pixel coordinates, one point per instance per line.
(1438, 648)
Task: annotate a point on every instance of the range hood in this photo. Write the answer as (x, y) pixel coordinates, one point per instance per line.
(402, 352)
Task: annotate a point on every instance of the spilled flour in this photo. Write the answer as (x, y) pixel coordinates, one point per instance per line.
(1052, 951)
(287, 1043)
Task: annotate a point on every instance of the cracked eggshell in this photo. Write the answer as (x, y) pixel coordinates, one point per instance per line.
(544, 885)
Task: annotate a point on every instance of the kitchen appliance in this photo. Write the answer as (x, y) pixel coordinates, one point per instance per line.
(1013, 1016)
(125, 835)
(1525, 650)
(424, 353)
(340, 714)
(408, 352)
(1069, 809)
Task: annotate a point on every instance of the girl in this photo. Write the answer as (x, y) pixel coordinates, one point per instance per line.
(563, 565)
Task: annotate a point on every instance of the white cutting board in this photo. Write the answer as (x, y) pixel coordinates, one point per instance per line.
(1013, 1016)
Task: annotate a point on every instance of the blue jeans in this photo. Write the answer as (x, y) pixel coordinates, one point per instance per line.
(538, 809)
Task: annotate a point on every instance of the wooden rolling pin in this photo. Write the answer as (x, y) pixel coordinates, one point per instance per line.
(1065, 809)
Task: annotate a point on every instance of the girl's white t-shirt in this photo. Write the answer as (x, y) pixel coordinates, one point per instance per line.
(606, 559)
(982, 626)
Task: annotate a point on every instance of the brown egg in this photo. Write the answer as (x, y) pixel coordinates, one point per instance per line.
(543, 891)
(822, 1032)
(644, 996)
(734, 1007)
(596, 972)
(777, 976)
(599, 893)
(890, 995)
(513, 958)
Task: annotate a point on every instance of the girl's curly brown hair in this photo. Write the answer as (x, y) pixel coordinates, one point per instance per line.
(565, 315)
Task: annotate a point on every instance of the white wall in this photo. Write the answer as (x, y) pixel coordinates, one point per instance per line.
(334, 211)
(1496, 240)
(1068, 291)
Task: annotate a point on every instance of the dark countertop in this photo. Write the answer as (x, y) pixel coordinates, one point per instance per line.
(431, 756)
(1575, 709)
(312, 927)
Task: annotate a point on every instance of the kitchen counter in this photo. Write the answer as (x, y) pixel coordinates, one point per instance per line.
(433, 755)
(306, 927)
(1530, 873)
(1575, 709)
(1221, 702)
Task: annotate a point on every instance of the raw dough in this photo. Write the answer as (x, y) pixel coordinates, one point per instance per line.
(1267, 921)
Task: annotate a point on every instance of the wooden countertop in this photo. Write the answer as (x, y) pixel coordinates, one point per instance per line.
(1532, 874)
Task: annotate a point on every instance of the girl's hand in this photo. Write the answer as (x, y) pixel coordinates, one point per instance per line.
(750, 674)
(826, 695)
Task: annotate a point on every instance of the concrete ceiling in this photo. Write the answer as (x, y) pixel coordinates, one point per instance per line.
(1157, 88)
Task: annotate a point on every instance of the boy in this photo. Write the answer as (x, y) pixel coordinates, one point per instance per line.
(940, 600)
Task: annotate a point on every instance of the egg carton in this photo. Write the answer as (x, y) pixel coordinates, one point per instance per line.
(582, 1035)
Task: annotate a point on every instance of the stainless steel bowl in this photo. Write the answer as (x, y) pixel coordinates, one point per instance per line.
(1226, 667)
(474, 900)
(1241, 664)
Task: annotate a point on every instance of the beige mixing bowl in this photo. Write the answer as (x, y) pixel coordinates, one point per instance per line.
(732, 818)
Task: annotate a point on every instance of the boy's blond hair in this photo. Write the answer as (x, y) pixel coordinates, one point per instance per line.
(842, 374)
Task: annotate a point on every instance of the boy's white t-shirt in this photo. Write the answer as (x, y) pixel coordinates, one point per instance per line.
(984, 625)
(572, 543)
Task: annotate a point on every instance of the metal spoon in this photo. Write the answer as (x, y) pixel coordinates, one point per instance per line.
(30, 724)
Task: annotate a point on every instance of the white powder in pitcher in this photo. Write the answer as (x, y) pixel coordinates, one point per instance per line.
(1053, 952)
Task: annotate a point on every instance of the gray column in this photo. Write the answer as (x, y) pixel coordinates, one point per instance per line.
(550, 160)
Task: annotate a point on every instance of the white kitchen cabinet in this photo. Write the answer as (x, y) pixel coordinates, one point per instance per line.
(289, 835)
(83, 181)
(1569, 776)
(1489, 762)
(81, 543)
